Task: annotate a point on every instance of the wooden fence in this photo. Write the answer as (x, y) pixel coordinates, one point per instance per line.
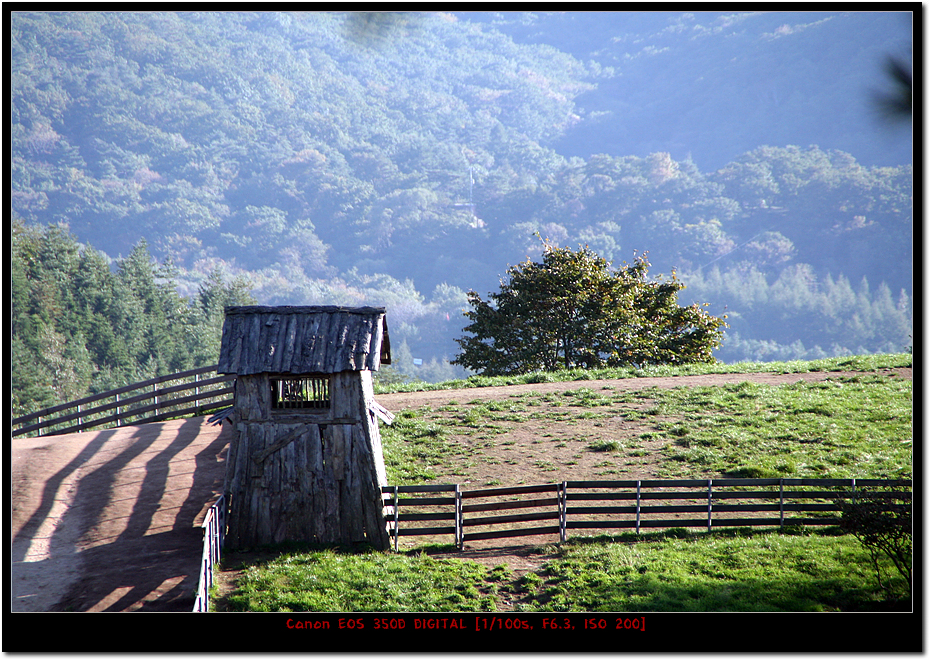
(624, 505)
(194, 392)
(214, 532)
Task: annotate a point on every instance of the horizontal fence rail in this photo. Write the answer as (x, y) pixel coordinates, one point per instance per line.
(193, 392)
(214, 532)
(493, 513)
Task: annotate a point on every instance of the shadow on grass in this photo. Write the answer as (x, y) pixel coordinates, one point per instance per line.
(581, 582)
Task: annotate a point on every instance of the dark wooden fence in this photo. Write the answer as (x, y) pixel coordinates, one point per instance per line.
(623, 505)
(194, 392)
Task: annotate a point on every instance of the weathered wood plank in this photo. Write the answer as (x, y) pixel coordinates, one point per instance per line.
(520, 517)
(285, 440)
(261, 347)
(372, 434)
(250, 345)
(379, 346)
(501, 506)
(350, 502)
(362, 343)
(529, 531)
(239, 488)
(514, 490)
(427, 488)
(278, 345)
(290, 341)
(345, 344)
(345, 395)
(330, 502)
(333, 344)
(309, 337)
(316, 486)
(337, 449)
(235, 361)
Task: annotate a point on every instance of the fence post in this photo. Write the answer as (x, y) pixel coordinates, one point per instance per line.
(781, 503)
(196, 394)
(222, 521)
(459, 525)
(118, 416)
(563, 511)
(854, 490)
(638, 482)
(80, 420)
(709, 501)
(39, 427)
(396, 518)
(155, 397)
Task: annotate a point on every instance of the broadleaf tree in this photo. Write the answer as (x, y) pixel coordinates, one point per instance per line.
(573, 309)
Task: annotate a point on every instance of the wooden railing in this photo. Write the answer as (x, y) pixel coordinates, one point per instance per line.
(214, 532)
(631, 505)
(148, 401)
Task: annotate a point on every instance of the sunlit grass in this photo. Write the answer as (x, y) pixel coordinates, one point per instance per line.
(328, 581)
(843, 427)
(854, 427)
(413, 445)
(732, 571)
(738, 571)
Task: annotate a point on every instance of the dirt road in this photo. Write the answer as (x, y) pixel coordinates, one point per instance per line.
(110, 520)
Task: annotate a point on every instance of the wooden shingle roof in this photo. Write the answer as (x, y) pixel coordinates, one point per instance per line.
(303, 340)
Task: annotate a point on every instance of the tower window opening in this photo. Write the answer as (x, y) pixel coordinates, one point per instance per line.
(300, 393)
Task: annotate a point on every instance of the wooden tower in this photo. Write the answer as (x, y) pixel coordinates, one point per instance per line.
(305, 460)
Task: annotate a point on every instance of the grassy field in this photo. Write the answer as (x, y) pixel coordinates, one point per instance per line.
(672, 571)
(843, 427)
(847, 426)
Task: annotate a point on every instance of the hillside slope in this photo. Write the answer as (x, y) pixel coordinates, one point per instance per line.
(340, 160)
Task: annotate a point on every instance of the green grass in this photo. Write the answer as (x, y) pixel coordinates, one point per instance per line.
(606, 445)
(672, 571)
(847, 427)
(843, 427)
(737, 571)
(413, 445)
(330, 581)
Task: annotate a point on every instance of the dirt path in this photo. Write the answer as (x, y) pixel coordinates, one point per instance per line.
(110, 520)
(405, 400)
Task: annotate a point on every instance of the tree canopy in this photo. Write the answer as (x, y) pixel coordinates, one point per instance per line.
(573, 309)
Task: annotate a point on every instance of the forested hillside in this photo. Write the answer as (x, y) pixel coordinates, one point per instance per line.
(80, 326)
(403, 160)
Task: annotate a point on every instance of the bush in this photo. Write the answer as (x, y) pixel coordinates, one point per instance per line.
(881, 520)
